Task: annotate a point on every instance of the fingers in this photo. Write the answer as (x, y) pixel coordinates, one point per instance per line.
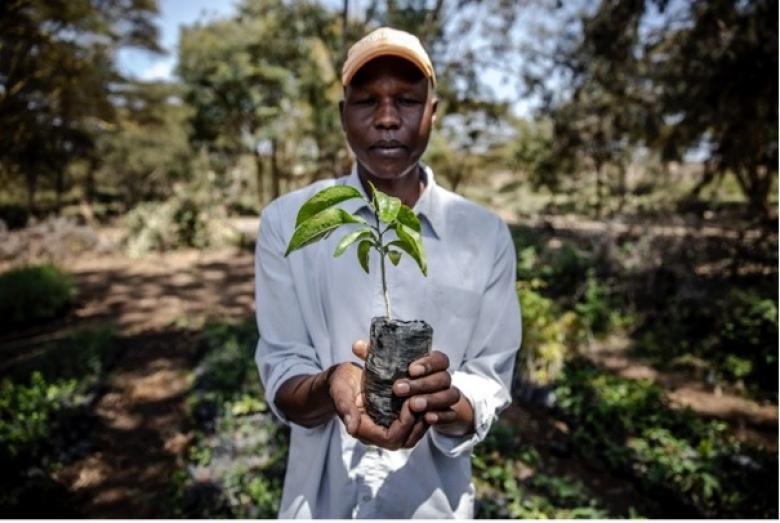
(360, 349)
(438, 381)
(434, 362)
(418, 431)
(441, 417)
(404, 430)
(441, 400)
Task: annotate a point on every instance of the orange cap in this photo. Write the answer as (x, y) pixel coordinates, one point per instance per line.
(383, 42)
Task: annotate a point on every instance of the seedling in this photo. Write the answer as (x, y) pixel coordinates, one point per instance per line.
(394, 343)
(317, 219)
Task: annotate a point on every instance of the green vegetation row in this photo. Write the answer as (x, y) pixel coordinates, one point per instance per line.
(45, 401)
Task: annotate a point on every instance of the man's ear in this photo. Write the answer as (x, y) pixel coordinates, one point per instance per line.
(434, 106)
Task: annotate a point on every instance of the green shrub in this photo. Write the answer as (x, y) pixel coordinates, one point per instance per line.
(181, 221)
(27, 411)
(549, 336)
(538, 495)
(628, 426)
(32, 295)
(734, 333)
(562, 267)
(36, 393)
(594, 310)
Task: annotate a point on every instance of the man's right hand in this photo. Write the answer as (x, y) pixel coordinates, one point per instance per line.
(346, 389)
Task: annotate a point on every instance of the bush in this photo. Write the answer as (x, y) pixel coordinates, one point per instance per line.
(549, 336)
(32, 295)
(734, 333)
(43, 415)
(535, 495)
(627, 426)
(179, 222)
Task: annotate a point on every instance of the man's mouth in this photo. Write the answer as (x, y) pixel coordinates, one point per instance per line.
(388, 148)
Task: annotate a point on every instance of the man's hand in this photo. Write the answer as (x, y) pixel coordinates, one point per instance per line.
(430, 392)
(346, 389)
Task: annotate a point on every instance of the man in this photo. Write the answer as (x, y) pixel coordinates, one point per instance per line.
(313, 308)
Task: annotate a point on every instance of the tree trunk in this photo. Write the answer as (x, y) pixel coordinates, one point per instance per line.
(755, 183)
(599, 166)
(59, 188)
(259, 176)
(623, 187)
(275, 174)
(31, 179)
(89, 182)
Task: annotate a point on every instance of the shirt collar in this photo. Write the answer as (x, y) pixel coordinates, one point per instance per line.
(428, 204)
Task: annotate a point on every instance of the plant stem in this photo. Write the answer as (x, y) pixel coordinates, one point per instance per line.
(381, 250)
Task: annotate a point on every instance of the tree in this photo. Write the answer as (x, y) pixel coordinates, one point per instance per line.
(261, 85)
(56, 73)
(146, 150)
(672, 76)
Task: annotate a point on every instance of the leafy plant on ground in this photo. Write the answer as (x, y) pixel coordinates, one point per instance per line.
(235, 465)
(317, 219)
(512, 483)
(549, 336)
(732, 334)
(628, 426)
(42, 403)
(32, 295)
(595, 308)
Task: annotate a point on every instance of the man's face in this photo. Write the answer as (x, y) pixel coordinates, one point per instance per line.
(387, 114)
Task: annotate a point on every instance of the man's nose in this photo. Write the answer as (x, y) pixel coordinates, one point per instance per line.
(386, 116)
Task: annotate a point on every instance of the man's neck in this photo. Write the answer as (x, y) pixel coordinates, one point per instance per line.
(407, 188)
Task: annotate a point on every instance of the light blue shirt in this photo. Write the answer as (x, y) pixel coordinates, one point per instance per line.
(312, 306)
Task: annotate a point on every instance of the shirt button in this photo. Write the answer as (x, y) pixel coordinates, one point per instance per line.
(366, 498)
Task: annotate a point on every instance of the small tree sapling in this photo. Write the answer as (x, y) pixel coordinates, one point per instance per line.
(394, 344)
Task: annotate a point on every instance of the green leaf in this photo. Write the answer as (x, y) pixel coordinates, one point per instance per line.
(407, 217)
(352, 237)
(362, 254)
(388, 206)
(409, 242)
(319, 226)
(395, 256)
(325, 199)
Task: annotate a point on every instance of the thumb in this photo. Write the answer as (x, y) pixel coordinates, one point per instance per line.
(360, 349)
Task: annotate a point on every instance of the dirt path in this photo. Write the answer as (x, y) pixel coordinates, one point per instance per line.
(157, 306)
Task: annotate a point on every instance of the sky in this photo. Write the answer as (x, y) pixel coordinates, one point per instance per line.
(173, 13)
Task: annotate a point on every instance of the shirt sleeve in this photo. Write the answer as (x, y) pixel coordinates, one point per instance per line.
(284, 349)
(485, 375)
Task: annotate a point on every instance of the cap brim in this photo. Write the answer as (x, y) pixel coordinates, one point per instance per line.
(399, 51)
